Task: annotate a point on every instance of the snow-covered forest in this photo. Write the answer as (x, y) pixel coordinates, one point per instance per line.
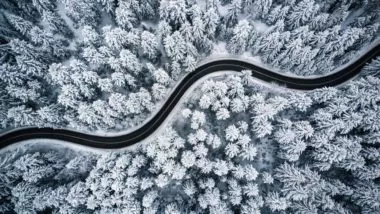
(95, 65)
(235, 148)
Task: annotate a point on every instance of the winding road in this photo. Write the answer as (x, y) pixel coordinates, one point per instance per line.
(153, 124)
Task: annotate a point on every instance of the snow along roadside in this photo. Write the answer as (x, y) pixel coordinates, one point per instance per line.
(50, 144)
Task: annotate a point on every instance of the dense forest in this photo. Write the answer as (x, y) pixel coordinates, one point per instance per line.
(235, 148)
(95, 65)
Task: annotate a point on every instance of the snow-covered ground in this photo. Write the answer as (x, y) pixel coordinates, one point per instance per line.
(220, 52)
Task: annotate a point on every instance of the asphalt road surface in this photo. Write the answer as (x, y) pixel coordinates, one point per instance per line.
(152, 125)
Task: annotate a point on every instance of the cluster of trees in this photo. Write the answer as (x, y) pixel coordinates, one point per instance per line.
(70, 64)
(64, 63)
(98, 64)
(337, 169)
(172, 174)
(304, 37)
(198, 170)
(324, 158)
(38, 179)
(26, 50)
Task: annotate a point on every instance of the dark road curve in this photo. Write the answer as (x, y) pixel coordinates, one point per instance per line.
(153, 124)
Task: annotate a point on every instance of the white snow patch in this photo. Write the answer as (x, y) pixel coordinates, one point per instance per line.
(149, 25)
(201, 4)
(259, 26)
(219, 49)
(220, 52)
(223, 10)
(253, 59)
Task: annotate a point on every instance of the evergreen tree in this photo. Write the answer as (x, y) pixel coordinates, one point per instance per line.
(241, 35)
(56, 23)
(173, 12)
(234, 10)
(125, 17)
(149, 44)
(175, 46)
(302, 13)
(21, 25)
(83, 13)
(277, 13)
(261, 8)
(211, 22)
